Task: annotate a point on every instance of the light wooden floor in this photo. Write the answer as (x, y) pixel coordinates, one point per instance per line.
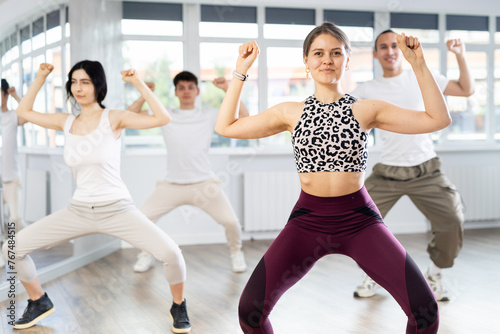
(108, 297)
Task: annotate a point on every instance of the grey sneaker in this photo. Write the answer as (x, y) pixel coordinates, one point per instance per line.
(35, 311)
(436, 283)
(180, 318)
(367, 288)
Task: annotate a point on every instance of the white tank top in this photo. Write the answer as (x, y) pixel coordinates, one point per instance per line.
(94, 160)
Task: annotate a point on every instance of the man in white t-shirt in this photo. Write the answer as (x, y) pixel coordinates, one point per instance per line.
(189, 179)
(10, 168)
(409, 165)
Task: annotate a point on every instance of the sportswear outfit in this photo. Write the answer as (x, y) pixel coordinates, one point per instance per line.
(101, 204)
(189, 179)
(328, 138)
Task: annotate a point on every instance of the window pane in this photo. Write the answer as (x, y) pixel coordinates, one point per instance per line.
(360, 68)
(26, 46)
(219, 59)
(14, 46)
(39, 41)
(67, 29)
(424, 35)
(287, 31)
(55, 93)
(359, 34)
(431, 59)
(26, 74)
(228, 29)
(158, 62)
(497, 95)
(39, 134)
(286, 80)
(54, 35)
(468, 114)
(472, 37)
(152, 27)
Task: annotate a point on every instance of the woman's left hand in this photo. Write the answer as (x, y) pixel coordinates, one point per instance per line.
(411, 48)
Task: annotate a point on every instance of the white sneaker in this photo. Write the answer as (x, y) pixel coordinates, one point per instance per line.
(436, 283)
(238, 262)
(144, 262)
(367, 288)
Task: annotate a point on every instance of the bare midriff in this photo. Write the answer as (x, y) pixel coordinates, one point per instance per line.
(331, 184)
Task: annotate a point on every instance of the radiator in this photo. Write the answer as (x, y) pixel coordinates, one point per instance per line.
(480, 190)
(269, 198)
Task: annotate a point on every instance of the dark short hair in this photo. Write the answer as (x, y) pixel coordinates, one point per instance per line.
(326, 28)
(5, 86)
(185, 76)
(96, 73)
(383, 32)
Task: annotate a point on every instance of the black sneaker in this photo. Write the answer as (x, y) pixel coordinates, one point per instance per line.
(180, 318)
(34, 312)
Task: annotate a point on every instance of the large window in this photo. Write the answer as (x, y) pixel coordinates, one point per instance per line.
(470, 29)
(231, 26)
(228, 21)
(157, 62)
(152, 19)
(162, 39)
(468, 113)
(425, 27)
(39, 41)
(218, 60)
(152, 45)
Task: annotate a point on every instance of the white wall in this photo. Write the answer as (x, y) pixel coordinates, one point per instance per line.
(188, 226)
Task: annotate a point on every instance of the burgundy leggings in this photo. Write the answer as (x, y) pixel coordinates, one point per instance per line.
(349, 225)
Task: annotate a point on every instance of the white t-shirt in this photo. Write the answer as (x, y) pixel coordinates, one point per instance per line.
(94, 160)
(10, 166)
(402, 90)
(188, 137)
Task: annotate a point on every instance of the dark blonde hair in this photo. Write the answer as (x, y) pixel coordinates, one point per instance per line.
(326, 28)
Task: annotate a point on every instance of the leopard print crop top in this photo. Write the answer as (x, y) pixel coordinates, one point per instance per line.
(327, 138)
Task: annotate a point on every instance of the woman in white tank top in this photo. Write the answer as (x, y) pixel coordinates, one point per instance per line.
(101, 202)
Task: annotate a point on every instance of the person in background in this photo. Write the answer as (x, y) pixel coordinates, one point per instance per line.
(101, 202)
(409, 164)
(10, 167)
(189, 179)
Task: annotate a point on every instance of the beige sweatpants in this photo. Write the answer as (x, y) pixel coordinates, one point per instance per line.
(119, 218)
(206, 195)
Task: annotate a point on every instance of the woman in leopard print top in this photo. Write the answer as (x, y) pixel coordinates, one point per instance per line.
(334, 213)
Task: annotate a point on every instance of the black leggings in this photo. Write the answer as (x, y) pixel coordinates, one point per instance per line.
(350, 225)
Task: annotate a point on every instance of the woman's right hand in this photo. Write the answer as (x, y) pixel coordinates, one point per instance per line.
(248, 52)
(45, 69)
